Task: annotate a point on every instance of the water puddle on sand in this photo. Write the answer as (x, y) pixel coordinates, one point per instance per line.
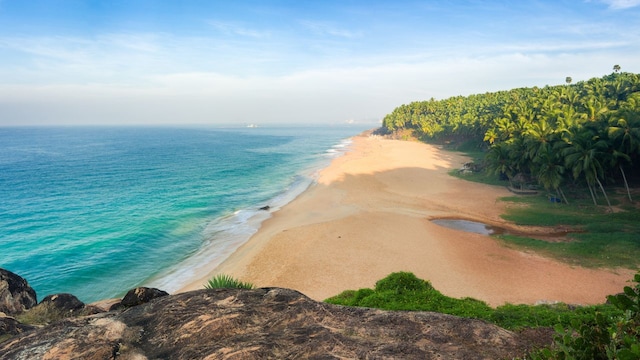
(484, 229)
(469, 226)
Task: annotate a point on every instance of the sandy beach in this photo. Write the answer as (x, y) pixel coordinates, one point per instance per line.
(369, 214)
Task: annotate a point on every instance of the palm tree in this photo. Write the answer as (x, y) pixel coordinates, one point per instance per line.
(585, 156)
(616, 68)
(624, 131)
(538, 138)
(549, 171)
(499, 161)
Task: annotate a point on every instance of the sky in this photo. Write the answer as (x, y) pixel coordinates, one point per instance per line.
(182, 62)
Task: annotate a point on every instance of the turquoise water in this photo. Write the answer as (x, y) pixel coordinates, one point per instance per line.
(96, 211)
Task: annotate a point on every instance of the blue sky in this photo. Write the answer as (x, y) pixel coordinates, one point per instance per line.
(208, 62)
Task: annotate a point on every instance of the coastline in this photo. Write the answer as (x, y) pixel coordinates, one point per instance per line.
(368, 215)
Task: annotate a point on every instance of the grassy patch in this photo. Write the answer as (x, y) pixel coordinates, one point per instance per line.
(47, 313)
(393, 293)
(604, 239)
(479, 177)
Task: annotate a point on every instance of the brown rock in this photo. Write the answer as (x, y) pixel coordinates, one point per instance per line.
(15, 293)
(9, 326)
(263, 323)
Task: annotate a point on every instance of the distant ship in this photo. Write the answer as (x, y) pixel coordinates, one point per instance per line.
(252, 126)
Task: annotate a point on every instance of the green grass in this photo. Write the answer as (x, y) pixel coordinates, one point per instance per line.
(222, 281)
(404, 291)
(603, 239)
(479, 177)
(46, 313)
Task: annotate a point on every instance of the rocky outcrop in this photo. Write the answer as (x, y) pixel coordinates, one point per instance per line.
(62, 302)
(138, 296)
(15, 293)
(263, 323)
(9, 327)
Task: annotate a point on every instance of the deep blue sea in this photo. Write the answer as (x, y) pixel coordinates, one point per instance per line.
(95, 211)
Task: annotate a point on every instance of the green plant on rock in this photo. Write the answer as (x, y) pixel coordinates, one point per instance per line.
(222, 281)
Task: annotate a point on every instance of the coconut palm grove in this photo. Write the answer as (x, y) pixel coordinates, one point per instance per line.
(584, 135)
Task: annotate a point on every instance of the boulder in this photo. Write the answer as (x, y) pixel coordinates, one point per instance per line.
(137, 296)
(15, 293)
(262, 323)
(62, 302)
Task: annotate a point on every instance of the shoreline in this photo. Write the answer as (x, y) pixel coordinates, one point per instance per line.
(368, 215)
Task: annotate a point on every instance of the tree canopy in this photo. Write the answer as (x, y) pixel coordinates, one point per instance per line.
(583, 133)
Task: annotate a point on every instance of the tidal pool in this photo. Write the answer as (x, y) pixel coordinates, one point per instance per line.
(468, 226)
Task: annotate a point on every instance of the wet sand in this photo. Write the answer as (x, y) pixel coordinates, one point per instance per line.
(369, 215)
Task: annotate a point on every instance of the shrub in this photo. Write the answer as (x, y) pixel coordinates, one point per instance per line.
(402, 282)
(222, 281)
(404, 291)
(603, 337)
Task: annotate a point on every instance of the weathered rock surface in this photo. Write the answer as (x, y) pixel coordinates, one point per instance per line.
(267, 323)
(15, 293)
(9, 326)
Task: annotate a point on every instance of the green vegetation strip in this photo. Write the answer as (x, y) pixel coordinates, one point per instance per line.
(608, 331)
(404, 291)
(597, 237)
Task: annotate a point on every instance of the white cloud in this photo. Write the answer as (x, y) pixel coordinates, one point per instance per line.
(312, 96)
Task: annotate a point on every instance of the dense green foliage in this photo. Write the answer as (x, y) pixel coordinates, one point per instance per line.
(222, 281)
(603, 337)
(586, 133)
(404, 291)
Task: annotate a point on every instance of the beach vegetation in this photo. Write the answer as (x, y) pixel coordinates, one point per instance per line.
(604, 336)
(222, 281)
(404, 291)
(582, 136)
(606, 331)
(579, 233)
(591, 236)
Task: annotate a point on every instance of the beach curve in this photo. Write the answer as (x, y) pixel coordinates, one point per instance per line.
(369, 215)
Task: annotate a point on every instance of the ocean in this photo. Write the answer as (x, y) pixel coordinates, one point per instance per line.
(96, 211)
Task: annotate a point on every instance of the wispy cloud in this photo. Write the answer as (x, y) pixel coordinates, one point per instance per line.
(326, 28)
(232, 28)
(621, 4)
